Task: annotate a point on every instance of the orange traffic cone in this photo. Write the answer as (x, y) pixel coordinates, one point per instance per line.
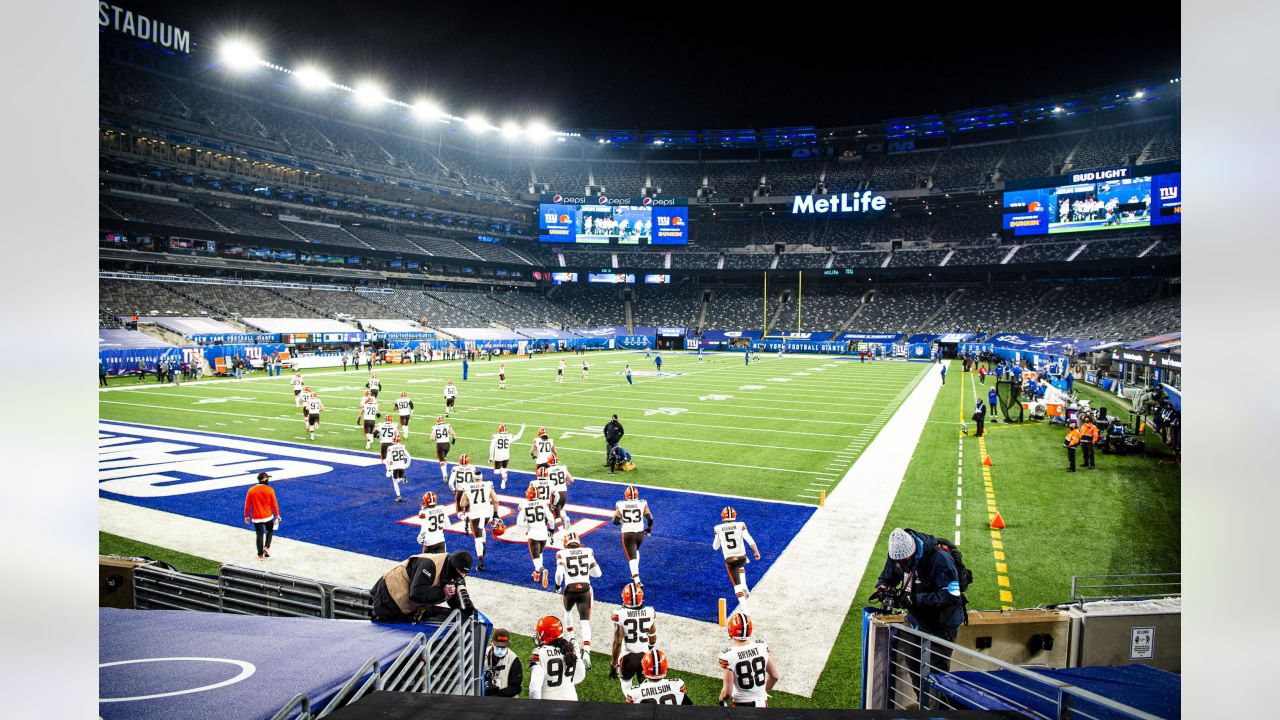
(997, 523)
(987, 461)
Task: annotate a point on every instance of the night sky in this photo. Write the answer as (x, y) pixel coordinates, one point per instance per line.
(686, 66)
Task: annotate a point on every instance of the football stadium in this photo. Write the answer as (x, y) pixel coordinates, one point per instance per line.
(876, 414)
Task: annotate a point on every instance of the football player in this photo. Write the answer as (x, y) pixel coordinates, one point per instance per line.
(731, 538)
(405, 406)
(560, 481)
(749, 673)
(500, 451)
(296, 382)
(554, 670)
(479, 503)
(560, 372)
(542, 485)
(397, 461)
(368, 416)
(434, 520)
(542, 449)
(386, 433)
(536, 519)
(634, 634)
(575, 566)
(502, 376)
(304, 397)
(445, 437)
(584, 369)
(656, 688)
(633, 516)
(463, 474)
(374, 385)
(313, 408)
(450, 394)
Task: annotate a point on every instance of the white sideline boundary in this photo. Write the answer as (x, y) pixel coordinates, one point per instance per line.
(799, 605)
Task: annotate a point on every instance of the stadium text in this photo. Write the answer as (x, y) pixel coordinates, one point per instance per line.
(1100, 175)
(144, 28)
(842, 203)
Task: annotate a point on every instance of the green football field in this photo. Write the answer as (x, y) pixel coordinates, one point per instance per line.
(783, 429)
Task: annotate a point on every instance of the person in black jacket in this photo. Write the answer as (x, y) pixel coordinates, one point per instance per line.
(612, 436)
(979, 417)
(931, 582)
(413, 589)
(503, 673)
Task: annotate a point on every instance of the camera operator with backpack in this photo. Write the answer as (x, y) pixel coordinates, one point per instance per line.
(933, 579)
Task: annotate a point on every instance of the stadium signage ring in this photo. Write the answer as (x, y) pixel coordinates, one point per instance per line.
(842, 203)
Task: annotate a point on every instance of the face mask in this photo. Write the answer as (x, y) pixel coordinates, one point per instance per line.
(500, 652)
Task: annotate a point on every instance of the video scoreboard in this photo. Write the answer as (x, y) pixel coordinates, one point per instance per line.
(606, 220)
(1107, 199)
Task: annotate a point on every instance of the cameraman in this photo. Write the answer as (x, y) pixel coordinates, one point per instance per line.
(503, 673)
(930, 592)
(413, 590)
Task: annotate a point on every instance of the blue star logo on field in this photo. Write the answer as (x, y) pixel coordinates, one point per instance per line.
(342, 499)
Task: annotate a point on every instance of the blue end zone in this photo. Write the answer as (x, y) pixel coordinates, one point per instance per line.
(342, 499)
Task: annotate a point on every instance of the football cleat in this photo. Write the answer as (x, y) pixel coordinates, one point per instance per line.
(739, 626)
(632, 595)
(548, 630)
(728, 514)
(531, 493)
(654, 664)
(429, 499)
(544, 577)
(632, 493)
(537, 576)
(571, 540)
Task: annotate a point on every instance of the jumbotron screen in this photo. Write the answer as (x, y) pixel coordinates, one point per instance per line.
(607, 220)
(1113, 199)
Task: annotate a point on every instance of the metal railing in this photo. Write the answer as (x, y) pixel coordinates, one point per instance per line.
(157, 587)
(350, 603)
(916, 672)
(1089, 588)
(249, 591)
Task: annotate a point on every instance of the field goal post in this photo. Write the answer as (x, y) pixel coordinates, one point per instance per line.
(764, 309)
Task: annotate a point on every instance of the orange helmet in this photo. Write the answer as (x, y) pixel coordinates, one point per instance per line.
(632, 594)
(499, 528)
(728, 514)
(307, 388)
(404, 393)
(552, 460)
(739, 626)
(502, 427)
(396, 438)
(548, 630)
(540, 472)
(631, 493)
(531, 492)
(571, 540)
(464, 459)
(654, 664)
(542, 432)
(429, 499)
(439, 419)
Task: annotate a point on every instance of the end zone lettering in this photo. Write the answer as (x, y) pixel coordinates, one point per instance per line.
(842, 203)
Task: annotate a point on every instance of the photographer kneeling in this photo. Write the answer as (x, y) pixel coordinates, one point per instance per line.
(413, 590)
(503, 673)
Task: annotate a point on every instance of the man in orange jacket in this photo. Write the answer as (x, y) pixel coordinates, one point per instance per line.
(1088, 440)
(261, 509)
(1072, 440)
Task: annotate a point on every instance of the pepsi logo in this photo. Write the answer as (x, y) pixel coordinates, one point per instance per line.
(646, 202)
(603, 200)
(557, 199)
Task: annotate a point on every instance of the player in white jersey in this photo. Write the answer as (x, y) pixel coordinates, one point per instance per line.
(464, 473)
(657, 688)
(575, 566)
(478, 502)
(632, 516)
(303, 398)
(502, 376)
(554, 669)
(584, 369)
(374, 385)
(397, 460)
(731, 538)
(500, 451)
(296, 382)
(634, 634)
(434, 520)
(542, 449)
(534, 516)
(560, 372)
(444, 437)
(560, 481)
(386, 432)
(749, 672)
(542, 485)
(368, 416)
(313, 408)
(405, 408)
(450, 395)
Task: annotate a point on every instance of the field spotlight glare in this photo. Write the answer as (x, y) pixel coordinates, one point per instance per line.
(510, 130)
(239, 55)
(537, 131)
(426, 110)
(369, 95)
(312, 78)
(477, 123)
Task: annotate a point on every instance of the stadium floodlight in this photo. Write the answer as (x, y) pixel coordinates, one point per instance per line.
(1057, 109)
(369, 95)
(312, 78)
(511, 130)
(238, 54)
(537, 131)
(1139, 94)
(477, 123)
(426, 110)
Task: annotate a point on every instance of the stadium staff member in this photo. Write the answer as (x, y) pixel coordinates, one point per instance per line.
(931, 584)
(1070, 442)
(613, 433)
(413, 590)
(261, 508)
(503, 673)
(980, 416)
(1088, 440)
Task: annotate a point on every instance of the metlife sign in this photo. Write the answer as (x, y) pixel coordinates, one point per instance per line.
(841, 204)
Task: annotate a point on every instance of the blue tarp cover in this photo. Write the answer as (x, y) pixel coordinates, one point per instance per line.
(1152, 690)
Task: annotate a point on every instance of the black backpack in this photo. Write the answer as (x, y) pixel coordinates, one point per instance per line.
(964, 574)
